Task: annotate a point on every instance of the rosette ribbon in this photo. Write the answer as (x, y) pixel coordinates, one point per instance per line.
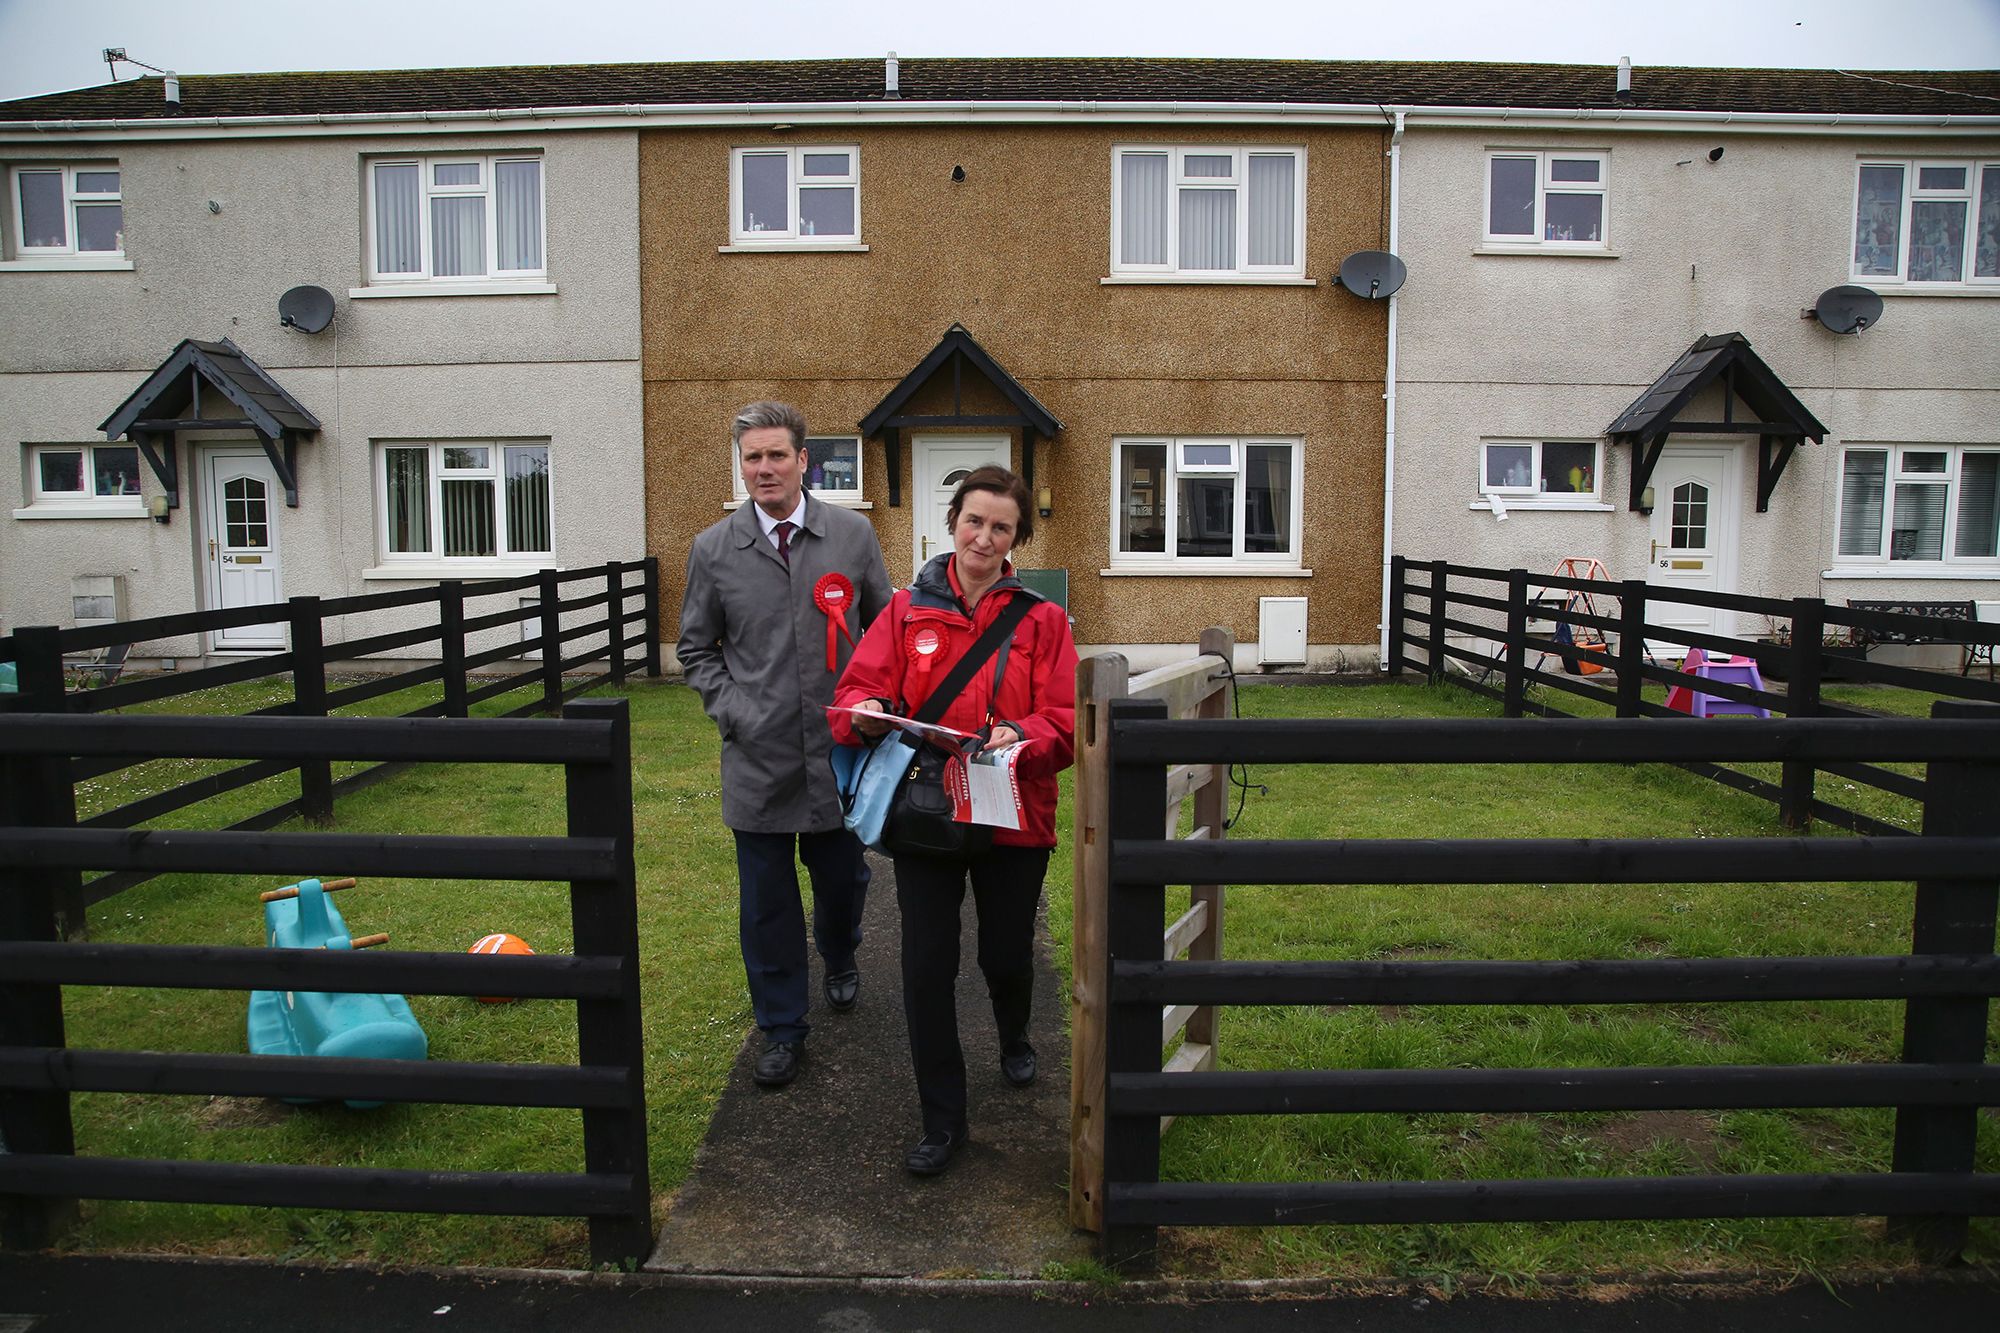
(833, 594)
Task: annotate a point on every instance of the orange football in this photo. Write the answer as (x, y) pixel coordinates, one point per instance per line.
(499, 942)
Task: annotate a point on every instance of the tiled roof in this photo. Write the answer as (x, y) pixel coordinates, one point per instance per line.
(1422, 83)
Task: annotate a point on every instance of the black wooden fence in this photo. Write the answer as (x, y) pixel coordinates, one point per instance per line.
(1944, 1076)
(40, 1170)
(608, 593)
(1519, 613)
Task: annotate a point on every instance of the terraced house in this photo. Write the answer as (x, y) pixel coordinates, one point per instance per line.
(551, 287)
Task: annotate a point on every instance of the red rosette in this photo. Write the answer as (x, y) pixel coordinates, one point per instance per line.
(833, 594)
(922, 645)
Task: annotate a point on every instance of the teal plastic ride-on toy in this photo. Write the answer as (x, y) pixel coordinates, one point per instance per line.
(353, 1026)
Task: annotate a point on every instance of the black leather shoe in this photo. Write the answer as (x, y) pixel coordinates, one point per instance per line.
(1017, 1063)
(843, 989)
(933, 1153)
(779, 1064)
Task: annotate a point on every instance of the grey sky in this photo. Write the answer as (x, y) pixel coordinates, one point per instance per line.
(46, 45)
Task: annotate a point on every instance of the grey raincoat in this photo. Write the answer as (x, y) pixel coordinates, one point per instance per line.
(753, 645)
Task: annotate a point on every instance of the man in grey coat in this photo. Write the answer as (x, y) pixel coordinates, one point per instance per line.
(762, 642)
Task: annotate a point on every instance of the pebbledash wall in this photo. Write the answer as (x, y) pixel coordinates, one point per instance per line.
(1547, 346)
(1017, 252)
(558, 365)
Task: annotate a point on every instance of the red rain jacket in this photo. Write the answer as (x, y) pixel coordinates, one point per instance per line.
(1037, 687)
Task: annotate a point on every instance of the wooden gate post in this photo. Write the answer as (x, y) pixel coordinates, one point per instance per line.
(1954, 916)
(451, 645)
(653, 616)
(52, 792)
(1099, 680)
(31, 1015)
(1399, 576)
(1136, 808)
(1514, 684)
(1795, 796)
(550, 607)
(1439, 577)
(614, 619)
(1631, 646)
(309, 699)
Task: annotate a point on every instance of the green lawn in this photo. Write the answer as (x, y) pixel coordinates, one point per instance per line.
(697, 1013)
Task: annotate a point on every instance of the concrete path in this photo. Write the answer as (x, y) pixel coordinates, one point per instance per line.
(809, 1179)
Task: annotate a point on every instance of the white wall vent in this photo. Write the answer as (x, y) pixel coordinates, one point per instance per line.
(97, 599)
(1281, 631)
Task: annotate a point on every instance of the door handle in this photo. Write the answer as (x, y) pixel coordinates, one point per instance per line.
(1649, 559)
(211, 549)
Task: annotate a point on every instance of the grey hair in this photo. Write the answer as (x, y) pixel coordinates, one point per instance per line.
(765, 414)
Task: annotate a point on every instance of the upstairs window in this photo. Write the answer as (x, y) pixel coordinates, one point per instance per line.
(1208, 212)
(1548, 200)
(1927, 222)
(1920, 502)
(455, 219)
(65, 211)
(464, 500)
(797, 196)
(1204, 502)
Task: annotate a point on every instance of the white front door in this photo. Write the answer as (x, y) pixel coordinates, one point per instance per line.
(240, 504)
(1693, 536)
(939, 463)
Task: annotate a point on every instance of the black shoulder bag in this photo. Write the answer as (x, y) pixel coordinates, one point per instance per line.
(919, 821)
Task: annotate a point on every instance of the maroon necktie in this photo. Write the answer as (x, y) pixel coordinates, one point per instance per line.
(784, 531)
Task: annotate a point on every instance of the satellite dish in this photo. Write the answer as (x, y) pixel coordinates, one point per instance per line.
(1372, 274)
(1847, 309)
(307, 309)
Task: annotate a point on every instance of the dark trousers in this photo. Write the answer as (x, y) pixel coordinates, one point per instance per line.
(1006, 885)
(771, 918)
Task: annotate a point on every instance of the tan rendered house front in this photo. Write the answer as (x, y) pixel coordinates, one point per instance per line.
(1220, 429)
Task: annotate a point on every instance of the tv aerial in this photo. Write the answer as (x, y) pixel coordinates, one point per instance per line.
(307, 309)
(1372, 274)
(1846, 309)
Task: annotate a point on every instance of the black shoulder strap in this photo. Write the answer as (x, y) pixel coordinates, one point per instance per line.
(982, 648)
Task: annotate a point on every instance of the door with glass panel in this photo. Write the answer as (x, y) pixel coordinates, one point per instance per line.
(940, 463)
(1693, 538)
(240, 504)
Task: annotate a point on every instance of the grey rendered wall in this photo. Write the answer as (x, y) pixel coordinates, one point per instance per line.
(564, 367)
(1556, 347)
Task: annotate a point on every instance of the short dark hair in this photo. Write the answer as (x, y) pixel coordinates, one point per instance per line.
(766, 414)
(999, 481)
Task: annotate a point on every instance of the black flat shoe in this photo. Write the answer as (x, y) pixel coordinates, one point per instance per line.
(779, 1064)
(933, 1153)
(1017, 1063)
(843, 989)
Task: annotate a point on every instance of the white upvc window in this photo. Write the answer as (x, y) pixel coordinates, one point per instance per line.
(1208, 211)
(1547, 199)
(455, 218)
(472, 500)
(67, 210)
(1923, 222)
(833, 467)
(1919, 503)
(1203, 501)
(796, 196)
(103, 478)
(1554, 470)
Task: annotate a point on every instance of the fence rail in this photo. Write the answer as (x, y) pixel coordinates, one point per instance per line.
(41, 653)
(40, 857)
(1943, 1078)
(1825, 639)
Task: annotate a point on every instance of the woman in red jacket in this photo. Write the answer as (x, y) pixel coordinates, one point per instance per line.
(1026, 692)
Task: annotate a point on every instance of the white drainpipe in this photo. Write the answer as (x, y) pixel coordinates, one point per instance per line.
(1389, 395)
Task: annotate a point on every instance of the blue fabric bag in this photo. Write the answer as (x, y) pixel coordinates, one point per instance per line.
(866, 776)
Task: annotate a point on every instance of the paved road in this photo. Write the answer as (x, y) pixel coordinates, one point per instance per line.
(40, 1294)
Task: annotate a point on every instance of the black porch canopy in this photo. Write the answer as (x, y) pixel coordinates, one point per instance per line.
(957, 351)
(1782, 422)
(171, 400)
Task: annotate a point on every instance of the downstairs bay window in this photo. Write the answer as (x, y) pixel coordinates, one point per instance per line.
(464, 501)
(1913, 505)
(1203, 503)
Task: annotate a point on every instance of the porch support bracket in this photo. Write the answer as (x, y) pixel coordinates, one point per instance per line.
(1645, 457)
(166, 465)
(1770, 468)
(283, 454)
